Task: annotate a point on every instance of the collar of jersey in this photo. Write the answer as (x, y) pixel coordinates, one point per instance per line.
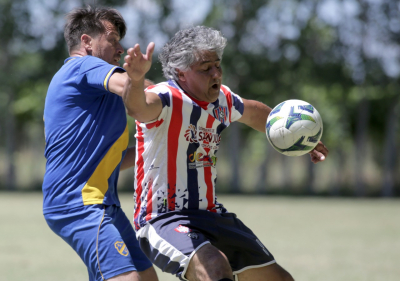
(71, 58)
(203, 104)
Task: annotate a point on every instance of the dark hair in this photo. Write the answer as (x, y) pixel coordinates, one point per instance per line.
(89, 20)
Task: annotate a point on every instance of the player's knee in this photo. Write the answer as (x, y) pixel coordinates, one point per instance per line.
(209, 264)
(216, 259)
(216, 265)
(219, 262)
(127, 276)
(285, 276)
(148, 275)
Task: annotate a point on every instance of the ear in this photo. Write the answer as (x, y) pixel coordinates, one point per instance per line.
(181, 75)
(86, 42)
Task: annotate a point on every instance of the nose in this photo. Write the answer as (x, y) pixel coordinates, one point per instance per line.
(216, 72)
(120, 49)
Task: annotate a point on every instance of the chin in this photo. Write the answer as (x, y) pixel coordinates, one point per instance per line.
(215, 92)
(213, 98)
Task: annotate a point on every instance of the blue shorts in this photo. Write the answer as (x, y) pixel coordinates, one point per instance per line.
(103, 237)
(171, 239)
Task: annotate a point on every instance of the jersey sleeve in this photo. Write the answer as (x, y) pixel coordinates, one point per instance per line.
(165, 95)
(237, 107)
(235, 102)
(95, 73)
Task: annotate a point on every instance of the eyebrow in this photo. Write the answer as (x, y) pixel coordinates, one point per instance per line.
(113, 32)
(208, 61)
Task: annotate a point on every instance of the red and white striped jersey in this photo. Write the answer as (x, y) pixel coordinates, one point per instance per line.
(176, 154)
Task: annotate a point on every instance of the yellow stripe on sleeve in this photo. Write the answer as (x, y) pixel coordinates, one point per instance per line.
(96, 187)
(108, 77)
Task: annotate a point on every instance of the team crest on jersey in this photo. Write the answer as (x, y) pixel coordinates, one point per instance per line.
(221, 113)
(191, 133)
(121, 248)
(183, 229)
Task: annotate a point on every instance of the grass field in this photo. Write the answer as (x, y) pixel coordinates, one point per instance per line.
(313, 238)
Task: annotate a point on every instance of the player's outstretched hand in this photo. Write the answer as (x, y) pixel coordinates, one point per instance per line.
(137, 64)
(319, 153)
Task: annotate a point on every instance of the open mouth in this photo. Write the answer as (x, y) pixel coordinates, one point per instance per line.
(215, 86)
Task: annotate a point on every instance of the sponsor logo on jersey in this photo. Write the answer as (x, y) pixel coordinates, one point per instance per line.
(193, 235)
(199, 160)
(191, 134)
(183, 229)
(152, 167)
(121, 248)
(208, 135)
(262, 246)
(201, 134)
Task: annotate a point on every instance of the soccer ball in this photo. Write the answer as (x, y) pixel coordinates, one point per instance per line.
(294, 127)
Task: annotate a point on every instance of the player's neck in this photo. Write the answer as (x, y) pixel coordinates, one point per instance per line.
(77, 53)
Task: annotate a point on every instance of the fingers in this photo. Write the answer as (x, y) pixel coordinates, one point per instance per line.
(316, 156)
(129, 57)
(136, 54)
(136, 50)
(150, 51)
(319, 153)
(322, 149)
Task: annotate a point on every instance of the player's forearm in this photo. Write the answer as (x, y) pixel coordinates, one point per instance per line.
(117, 83)
(255, 114)
(129, 159)
(135, 100)
(142, 106)
(133, 96)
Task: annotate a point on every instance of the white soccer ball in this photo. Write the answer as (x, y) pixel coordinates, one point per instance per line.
(294, 127)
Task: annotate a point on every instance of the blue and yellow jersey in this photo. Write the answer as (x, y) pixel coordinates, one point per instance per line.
(86, 136)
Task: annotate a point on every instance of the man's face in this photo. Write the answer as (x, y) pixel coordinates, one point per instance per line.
(203, 80)
(106, 46)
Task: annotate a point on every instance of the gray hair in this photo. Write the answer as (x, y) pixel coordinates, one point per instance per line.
(184, 49)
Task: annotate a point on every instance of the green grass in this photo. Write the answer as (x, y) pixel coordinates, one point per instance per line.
(313, 238)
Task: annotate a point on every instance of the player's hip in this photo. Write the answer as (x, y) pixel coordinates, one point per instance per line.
(171, 239)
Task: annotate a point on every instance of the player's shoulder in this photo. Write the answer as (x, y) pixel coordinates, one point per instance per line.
(82, 59)
(88, 63)
(230, 97)
(226, 90)
(228, 93)
(159, 88)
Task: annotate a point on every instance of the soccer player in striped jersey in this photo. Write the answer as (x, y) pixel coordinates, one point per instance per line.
(87, 145)
(180, 225)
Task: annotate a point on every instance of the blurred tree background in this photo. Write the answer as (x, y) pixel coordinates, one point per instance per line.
(342, 56)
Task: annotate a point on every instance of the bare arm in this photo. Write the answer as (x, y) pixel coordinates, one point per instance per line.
(118, 80)
(142, 106)
(129, 159)
(255, 115)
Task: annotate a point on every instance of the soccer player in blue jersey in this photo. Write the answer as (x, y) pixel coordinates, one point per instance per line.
(180, 224)
(86, 147)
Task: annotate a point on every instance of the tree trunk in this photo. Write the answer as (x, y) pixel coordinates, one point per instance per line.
(234, 148)
(10, 142)
(261, 186)
(390, 149)
(360, 150)
(310, 187)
